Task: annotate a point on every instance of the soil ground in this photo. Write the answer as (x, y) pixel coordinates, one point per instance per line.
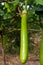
(33, 59)
(14, 60)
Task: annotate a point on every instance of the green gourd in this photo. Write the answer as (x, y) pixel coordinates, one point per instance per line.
(41, 50)
(24, 38)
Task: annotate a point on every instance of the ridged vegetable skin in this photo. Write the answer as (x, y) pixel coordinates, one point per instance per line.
(24, 38)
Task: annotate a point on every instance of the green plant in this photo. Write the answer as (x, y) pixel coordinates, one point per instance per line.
(24, 38)
(41, 50)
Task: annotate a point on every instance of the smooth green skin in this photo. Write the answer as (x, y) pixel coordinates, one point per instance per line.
(24, 39)
(41, 50)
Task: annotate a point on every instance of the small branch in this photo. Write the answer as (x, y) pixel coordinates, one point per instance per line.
(3, 51)
(35, 30)
(33, 59)
(3, 1)
(28, 30)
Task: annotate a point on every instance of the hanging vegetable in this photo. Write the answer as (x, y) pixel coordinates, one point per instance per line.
(24, 38)
(41, 50)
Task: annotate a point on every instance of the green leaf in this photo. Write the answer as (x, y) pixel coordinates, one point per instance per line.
(7, 6)
(11, 6)
(39, 2)
(7, 16)
(1, 12)
(14, 2)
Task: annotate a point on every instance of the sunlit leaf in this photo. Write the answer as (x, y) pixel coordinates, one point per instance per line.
(39, 2)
